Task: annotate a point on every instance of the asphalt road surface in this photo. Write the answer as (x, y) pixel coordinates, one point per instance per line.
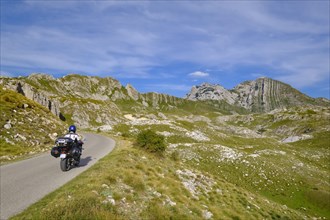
(25, 182)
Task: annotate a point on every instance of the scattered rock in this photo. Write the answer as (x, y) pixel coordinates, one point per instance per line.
(95, 192)
(152, 116)
(228, 154)
(165, 133)
(198, 136)
(161, 115)
(196, 184)
(296, 138)
(169, 202)
(207, 214)
(110, 200)
(105, 186)
(9, 141)
(130, 117)
(105, 128)
(6, 157)
(157, 194)
(20, 136)
(53, 136)
(7, 126)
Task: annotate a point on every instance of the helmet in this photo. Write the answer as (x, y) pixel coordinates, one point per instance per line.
(72, 128)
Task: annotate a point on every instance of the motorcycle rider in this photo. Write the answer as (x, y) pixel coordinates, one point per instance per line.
(72, 133)
(75, 137)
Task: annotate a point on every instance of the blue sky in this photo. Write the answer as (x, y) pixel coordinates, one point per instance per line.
(169, 46)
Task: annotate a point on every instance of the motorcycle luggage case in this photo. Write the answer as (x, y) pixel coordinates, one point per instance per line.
(55, 152)
(64, 141)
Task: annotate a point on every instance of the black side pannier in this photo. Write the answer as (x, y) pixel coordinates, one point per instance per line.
(60, 143)
(55, 152)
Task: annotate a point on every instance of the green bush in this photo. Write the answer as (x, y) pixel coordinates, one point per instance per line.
(151, 141)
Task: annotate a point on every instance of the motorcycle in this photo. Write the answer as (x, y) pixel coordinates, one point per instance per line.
(69, 151)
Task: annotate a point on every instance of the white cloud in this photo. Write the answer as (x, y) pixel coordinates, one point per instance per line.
(198, 74)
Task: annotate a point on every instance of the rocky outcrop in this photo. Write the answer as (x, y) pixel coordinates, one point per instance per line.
(32, 93)
(132, 92)
(156, 99)
(258, 94)
(78, 86)
(265, 94)
(91, 87)
(208, 91)
(39, 97)
(261, 95)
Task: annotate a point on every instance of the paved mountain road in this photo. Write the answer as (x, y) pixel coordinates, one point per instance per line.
(25, 182)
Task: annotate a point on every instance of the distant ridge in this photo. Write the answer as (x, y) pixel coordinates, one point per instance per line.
(92, 101)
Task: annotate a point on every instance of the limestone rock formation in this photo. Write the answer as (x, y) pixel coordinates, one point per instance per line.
(265, 94)
(32, 93)
(132, 92)
(156, 99)
(260, 95)
(208, 91)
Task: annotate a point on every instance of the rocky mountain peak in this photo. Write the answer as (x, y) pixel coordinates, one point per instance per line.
(206, 84)
(207, 91)
(260, 95)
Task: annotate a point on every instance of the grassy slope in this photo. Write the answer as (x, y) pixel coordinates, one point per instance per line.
(231, 176)
(145, 186)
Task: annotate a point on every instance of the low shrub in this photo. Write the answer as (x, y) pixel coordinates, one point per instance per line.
(151, 141)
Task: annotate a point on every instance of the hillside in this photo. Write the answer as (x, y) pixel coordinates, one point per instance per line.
(223, 160)
(99, 103)
(258, 166)
(26, 127)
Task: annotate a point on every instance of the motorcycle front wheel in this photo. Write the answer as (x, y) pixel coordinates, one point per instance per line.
(65, 164)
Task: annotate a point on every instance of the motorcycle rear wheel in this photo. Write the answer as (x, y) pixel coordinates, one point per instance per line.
(65, 164)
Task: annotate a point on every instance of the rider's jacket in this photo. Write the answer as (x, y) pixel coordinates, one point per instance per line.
(73, 136)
